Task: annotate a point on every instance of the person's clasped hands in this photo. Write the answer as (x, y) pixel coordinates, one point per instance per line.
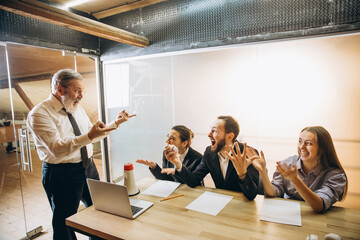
(172, 155)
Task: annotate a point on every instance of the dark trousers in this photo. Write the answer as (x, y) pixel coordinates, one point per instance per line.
(63, 184)
(90, 172)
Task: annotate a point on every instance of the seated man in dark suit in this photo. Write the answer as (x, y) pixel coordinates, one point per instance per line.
(225, 160)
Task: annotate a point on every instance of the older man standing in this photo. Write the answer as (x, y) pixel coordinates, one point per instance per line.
(63, 136)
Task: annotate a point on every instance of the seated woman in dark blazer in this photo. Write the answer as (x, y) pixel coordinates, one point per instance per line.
(314, 175)
(180, 137)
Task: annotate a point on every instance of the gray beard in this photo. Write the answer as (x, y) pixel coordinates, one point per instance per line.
(68, 104)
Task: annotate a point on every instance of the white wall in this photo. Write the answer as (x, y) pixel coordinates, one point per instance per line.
(273, 90)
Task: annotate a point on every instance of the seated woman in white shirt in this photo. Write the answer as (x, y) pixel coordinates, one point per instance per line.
(180, 137)
(315, 175)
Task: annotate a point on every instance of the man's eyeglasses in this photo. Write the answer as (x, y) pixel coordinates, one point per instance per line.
(78, 91)
(171, 137)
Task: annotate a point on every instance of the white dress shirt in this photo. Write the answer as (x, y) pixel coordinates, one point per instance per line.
(182, 156)
(224, 163)
(53, 134)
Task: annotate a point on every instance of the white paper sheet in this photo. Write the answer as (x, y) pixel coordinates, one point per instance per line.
(161, 188)
(209, 203)
(281, 211)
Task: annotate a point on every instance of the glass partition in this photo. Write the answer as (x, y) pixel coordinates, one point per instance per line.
(273, 89)
(148, 85)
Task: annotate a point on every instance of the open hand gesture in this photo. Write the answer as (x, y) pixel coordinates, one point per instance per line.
(98, 129)
(147, 163)
(258, 162)
(239, 160)
(168, 171)
(287, 171)
(123, 116)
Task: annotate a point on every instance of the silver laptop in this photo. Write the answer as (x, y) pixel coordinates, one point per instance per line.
(113, 198)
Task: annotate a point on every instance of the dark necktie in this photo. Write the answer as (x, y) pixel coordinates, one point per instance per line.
(84, 156)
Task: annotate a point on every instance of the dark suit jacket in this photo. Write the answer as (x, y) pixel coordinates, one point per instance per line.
(210, 164)
(191, 161)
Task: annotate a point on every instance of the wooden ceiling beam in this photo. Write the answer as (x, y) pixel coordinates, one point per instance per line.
(47, 13)
(23, 95)
(128, 6)
(46, 76)
(39, 77)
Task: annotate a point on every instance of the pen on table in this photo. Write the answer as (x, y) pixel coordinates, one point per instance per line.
(164, 199)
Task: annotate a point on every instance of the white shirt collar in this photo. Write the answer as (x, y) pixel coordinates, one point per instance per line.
(182, 156)
(56, 104)
(224, 163)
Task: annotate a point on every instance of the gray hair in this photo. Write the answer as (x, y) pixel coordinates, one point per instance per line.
(63, 77)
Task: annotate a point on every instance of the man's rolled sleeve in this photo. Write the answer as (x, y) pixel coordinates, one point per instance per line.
(83, 140)
(112, 125)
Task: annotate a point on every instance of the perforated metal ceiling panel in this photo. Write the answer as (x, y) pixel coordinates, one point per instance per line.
(185, 24)
(20, 29)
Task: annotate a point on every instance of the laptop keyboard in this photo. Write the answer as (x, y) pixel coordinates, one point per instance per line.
(135, 209)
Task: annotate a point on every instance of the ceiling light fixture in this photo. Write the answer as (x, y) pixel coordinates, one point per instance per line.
(74, 3)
